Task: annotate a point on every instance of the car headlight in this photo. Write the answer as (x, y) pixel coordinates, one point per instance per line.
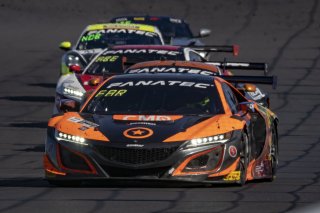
(70, 138)
(197, 142)
(73, 92)
(72, 60)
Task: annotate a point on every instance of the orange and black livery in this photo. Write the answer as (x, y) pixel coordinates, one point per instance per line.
(163, 126)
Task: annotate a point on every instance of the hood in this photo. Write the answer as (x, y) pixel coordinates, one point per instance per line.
(145, 129)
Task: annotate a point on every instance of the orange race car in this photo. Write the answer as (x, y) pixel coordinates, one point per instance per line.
(160, 126)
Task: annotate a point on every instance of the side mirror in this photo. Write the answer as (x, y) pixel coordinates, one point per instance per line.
(204, 33)
(65, 45)
(67, 105)
(249, 87)
(75, 68)
(247, 106)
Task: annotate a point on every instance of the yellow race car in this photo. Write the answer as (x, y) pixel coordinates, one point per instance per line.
(97, 37)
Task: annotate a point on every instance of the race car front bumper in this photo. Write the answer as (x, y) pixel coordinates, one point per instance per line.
(99, 160)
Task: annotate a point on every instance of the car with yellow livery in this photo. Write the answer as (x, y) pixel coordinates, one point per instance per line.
(97, 37)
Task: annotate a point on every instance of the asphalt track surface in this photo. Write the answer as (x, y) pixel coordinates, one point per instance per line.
(285, 33)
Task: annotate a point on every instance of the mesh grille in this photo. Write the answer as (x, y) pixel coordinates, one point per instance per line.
(135, 156)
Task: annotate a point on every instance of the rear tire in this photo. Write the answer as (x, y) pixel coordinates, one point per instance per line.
(244, 159)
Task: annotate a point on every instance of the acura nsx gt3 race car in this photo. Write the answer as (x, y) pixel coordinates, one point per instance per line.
(174, 31)
(159, 126)
(97, 37)
(115, 60)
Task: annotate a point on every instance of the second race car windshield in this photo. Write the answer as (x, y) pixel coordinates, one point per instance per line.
(103, 38)
(156, 96)
(169, 27)
(116, 61)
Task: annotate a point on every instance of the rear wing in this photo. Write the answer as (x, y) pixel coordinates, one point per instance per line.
(240, 65)
(272, 80)
(234, 49)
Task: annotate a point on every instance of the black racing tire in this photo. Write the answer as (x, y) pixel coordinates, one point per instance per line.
(244, 159)
(65, 183)
(274, 154)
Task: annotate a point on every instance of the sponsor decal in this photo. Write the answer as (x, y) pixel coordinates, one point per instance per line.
(111, 92)
(85, 123)
(174, 20)
(103, 27)
(91, 51)
(257, 95)
(232, 176)
(122, 28)
(124, 22)
(140, 51)
(121, 19)
(138, 133)
(109, 58)
(172, 70)
(91, 37)
(160, 83)
(139, 18)
(142, 123)
(259, 169)
(131, 31)
(135, 145)
(83, 128)
(147, 117)
(232, 151)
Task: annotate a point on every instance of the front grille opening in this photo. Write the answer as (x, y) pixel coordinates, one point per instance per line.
(205, 162)
(199, 162)
(135, 156)
(71, 160)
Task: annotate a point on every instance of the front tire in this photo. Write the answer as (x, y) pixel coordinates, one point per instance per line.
(274, 153)
(244, 159)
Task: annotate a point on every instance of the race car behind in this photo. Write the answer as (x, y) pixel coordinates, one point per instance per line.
(97, 37)
(174, 31)
(112, 61)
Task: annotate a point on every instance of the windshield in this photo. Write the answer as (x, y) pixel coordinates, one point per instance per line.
(169, 27)
(150, 96)
(116, 61)
(104, 38)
